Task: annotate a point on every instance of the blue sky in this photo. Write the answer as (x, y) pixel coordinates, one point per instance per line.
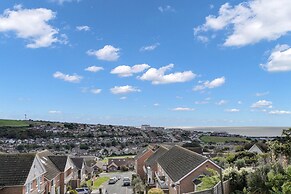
(166, 63)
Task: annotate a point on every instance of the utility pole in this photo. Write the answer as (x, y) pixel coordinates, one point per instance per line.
(221, 180)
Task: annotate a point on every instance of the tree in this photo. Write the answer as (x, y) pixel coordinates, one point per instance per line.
(257, 180)
(156, 191)
(240, 163)
(138, 185)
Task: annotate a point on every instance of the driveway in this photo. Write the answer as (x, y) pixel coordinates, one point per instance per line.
(116, 188)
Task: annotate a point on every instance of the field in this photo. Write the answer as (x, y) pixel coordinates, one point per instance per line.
(12, 123)
(218, 139)
(97, 183)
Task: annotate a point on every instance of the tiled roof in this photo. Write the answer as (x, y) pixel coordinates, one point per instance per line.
(59, 162)
(140, 153)
(51, 170)
(14, 168)
(78, 162)
(155, 156)
(178, 162)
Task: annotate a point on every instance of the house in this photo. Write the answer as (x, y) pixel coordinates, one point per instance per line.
(52, 175)
(256, 148)
(65, 165)
(21, 174)
(115, 164)
(179, 168)
(151, 165)
(140, 159)
(79, 175)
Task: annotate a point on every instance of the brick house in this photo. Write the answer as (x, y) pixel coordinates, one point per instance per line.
(178, 169)
(52, 175)
(79, 172)
(115, 164)
(65, 165)
(21, 174)
(140, 159)
(151, 164)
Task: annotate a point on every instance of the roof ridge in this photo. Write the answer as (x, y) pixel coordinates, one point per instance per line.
(193, 153)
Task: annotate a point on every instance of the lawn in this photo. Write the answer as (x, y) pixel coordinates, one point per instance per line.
(105, 160)
(13, 123)
(98, 182)
(218, 139)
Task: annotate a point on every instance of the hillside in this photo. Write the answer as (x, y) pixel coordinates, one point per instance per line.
(13, 123)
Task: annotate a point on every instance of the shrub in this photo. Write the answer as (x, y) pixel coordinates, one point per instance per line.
(156, 191)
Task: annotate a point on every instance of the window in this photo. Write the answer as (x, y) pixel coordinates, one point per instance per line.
(52, 183)
(28, 187)
(38, 183)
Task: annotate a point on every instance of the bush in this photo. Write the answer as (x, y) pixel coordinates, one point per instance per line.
(156, 191)
(124, 168)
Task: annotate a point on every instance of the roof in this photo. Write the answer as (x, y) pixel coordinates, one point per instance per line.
(51, 170)
(140, 153)
(14, 168)
(155, 156)
(178, 162)
(59, 161)
(78, 162)
(121, 161)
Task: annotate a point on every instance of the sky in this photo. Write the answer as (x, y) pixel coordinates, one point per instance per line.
(157, 62)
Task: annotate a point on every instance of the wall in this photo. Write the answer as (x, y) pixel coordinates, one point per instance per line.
(14, 190)
(140, 163)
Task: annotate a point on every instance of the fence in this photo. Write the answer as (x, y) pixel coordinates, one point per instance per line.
(216, 189)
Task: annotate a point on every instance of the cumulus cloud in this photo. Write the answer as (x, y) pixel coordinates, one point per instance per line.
(126, 71)
(221, 102)
(157, 76)
(149, 47)
(68, 78)
(166, 8)
(210, 84)
(54, 112)
(31, 25)
(262, 104)
(83, 28)
(64, 1)
(280, 112)
(250, 22)
(262, 93)
(96, 91)
(94, 69)
(279, 60)
(182, 109)
(232, 110)
(107, 53)
(124, 89)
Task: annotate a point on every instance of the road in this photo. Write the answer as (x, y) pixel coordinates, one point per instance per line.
(116, 188)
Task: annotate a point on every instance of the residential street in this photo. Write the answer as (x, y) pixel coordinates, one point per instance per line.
(116, 188)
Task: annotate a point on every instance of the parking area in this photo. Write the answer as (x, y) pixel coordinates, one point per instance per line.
(118, 187)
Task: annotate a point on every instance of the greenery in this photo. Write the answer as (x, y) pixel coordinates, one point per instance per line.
(97, 183)
(138, 185)
(155, 191)
(13, 123)
(207, 182)
(218, 139)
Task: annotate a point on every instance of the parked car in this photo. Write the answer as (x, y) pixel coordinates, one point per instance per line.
(82, 191)
(87, 189)
(126, 181)
(112, 180)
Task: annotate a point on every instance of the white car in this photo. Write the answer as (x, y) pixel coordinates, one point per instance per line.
(113, 180)
(82, 190)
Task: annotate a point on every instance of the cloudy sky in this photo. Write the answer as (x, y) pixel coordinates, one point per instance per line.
(166, 63)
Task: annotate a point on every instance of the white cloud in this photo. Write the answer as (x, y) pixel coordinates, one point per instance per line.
(150, 47)
(96, 91)
(64, 1)
(182, 109)
(156, 104)
(251, 21)
(280, 112)
(262, 104)
(221, 102)
(123, 98)
(126, 71)
(239, 102)
(83, 28)
(232, 110)
(166, 8)
(124, 89)
(157, 76)
(262, 93)
(94, 69)
(210, 84)
(279, 60)
(54, 112)
(68, 78)
(107, 53)
(201, 102)
(31, 25)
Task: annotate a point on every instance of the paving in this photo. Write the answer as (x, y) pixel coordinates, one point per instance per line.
(116, 188)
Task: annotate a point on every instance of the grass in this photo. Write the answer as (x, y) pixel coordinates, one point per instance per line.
(98, 182)
(218, 139)
(105, 160)
(13, 123)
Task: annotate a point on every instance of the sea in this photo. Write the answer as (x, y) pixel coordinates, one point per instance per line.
(244, 131)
